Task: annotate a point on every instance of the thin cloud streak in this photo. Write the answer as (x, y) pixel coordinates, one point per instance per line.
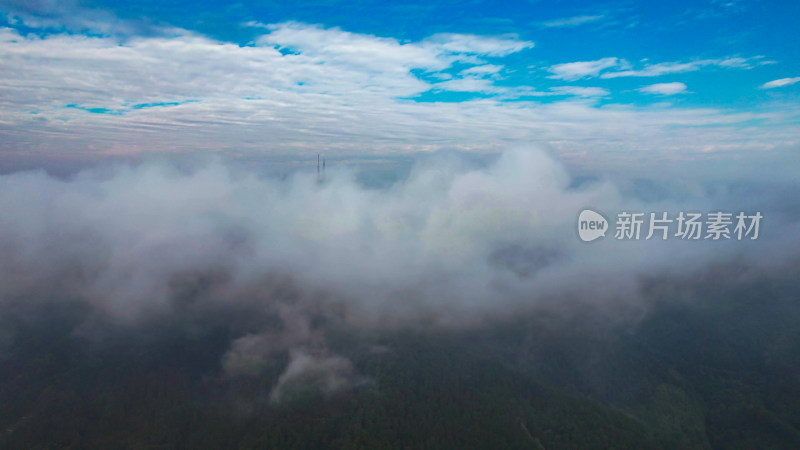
(572, 21)
(780, 83)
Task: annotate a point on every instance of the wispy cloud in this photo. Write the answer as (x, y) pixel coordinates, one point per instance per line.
(572, 21)
(666, 68)
(75, 16)
(581, 91)
(780, 83)
(664, 88)
(618, 67)
(485, 69)
(477, 44)
(582, 69)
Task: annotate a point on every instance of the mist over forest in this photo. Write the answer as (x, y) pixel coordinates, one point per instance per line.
(210, 307)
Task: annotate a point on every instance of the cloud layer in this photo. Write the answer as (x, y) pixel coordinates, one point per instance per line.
(448, 245)
(300, 88)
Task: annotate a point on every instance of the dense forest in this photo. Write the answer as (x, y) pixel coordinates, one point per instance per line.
(719, 372)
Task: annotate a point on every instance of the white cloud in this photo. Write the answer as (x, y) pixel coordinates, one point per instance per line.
(477, 45)
(666, 68)
(664, 88)
(366, 51)
(581, 91)
(74, 16)
(572, 21)
(468, 84)
(485, 69)
(347, 93)
(460, 239)
(780, 83)
(582, 69)
(475, 79)
(255, 24)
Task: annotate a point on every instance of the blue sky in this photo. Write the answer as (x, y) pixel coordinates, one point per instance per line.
(597, 82)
